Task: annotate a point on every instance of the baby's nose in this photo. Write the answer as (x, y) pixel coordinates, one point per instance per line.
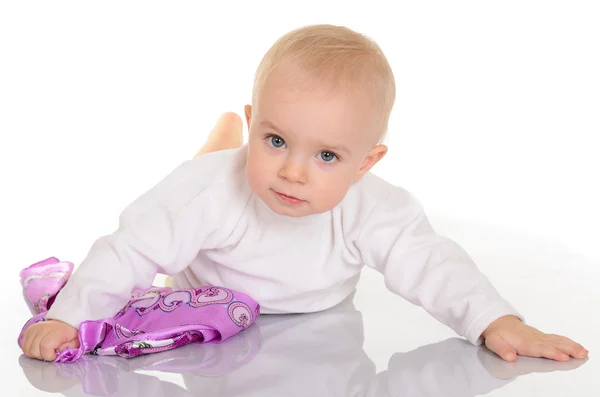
(293, 171)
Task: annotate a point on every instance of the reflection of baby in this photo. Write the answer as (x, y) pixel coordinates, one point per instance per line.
(318, 354)
(292, 217)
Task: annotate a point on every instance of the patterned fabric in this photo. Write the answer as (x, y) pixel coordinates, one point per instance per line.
(154, 320)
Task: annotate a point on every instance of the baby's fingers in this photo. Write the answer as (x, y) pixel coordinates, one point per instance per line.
(26, 342)
(33, 350)
(545, 350)
(74, 344)
(48, 346)
(567, 346)
(498, 345)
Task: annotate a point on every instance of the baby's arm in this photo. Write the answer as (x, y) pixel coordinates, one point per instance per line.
(427, 269)
(160, 232)
(434, 272)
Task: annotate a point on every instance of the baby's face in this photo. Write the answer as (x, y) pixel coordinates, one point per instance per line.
(307, 146)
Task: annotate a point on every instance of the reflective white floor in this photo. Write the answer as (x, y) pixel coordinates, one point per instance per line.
(375, 345)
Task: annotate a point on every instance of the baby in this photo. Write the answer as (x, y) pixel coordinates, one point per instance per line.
(293, 216)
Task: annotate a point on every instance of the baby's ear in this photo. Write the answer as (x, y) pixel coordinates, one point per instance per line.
(248, 113)
(374, 155)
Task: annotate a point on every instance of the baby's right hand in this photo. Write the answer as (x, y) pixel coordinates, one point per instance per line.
(42, 339)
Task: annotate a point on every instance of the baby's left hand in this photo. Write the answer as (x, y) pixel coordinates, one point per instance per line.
(509, 336)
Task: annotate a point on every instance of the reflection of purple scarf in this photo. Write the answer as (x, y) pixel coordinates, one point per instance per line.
(154, 320)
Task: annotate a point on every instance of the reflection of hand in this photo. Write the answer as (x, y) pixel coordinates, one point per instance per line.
(108, 375)
(96, 376)
(44, 376)
(508, 336)
(455, 367)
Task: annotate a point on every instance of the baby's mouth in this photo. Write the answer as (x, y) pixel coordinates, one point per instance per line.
(289, 199)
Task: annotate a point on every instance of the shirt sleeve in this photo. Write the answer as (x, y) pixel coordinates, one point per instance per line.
(160, 232)
(427, 269)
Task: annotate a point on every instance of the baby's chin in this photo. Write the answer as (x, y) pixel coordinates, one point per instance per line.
(299, 212)
(306, 210)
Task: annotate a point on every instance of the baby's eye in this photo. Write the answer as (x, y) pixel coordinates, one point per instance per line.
(276, 141)
(328, 157)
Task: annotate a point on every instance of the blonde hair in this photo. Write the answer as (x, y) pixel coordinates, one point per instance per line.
(339, 56)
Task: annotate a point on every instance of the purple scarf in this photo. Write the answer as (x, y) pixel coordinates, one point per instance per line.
(154, 320)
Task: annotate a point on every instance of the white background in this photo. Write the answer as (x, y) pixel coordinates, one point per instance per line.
(496, 121)
(497, 117)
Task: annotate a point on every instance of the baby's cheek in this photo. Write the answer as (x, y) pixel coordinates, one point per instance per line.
(254, 176)
(332, 192)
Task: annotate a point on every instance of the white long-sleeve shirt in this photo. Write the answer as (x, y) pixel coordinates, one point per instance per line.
(203, 225)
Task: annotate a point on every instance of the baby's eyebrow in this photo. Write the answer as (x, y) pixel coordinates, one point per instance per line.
(335, 148)
(268, 124)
